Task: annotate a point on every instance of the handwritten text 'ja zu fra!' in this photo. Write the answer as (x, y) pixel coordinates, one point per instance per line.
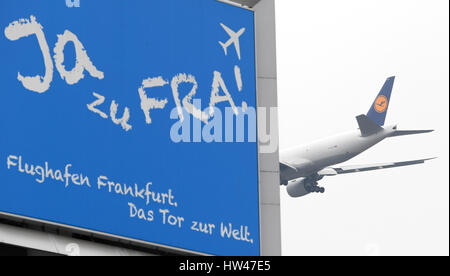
(40, 84)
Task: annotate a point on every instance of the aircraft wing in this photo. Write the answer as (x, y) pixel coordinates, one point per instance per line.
(286, 170)
(365, 168)
(228, 30)
(286, 167)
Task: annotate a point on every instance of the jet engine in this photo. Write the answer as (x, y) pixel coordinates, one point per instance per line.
(303, 186)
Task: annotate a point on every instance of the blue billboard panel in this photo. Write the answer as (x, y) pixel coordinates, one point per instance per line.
(123, 117)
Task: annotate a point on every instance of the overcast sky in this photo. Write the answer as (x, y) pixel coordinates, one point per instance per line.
(333, 58)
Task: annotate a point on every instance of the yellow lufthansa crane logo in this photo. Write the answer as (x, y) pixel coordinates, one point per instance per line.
(381, 104)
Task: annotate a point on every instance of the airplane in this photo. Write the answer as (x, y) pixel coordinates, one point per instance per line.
(301, 168)
(234, 39)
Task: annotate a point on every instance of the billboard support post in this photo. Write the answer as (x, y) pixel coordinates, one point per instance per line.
(269, 172)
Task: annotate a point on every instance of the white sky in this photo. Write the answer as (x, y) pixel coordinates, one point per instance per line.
(333, 58)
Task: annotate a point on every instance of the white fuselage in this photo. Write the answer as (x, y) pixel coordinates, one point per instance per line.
(310, 159)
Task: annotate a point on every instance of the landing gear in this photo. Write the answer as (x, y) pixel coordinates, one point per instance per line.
(314, 188)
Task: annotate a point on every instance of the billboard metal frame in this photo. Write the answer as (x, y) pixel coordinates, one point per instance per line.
(266, 94)
(268, 166)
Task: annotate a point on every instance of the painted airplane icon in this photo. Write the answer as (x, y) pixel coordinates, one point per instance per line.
(234, 39)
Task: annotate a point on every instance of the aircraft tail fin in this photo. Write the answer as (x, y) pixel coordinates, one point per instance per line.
(224, 47)
(367, 126)
(379, 108)
(409, 132)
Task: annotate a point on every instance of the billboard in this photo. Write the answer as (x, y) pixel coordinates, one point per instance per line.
(134, 119)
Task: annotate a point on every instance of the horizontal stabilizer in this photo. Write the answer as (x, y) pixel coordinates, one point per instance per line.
(409, 132)
(366, 168)
(367, 126)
